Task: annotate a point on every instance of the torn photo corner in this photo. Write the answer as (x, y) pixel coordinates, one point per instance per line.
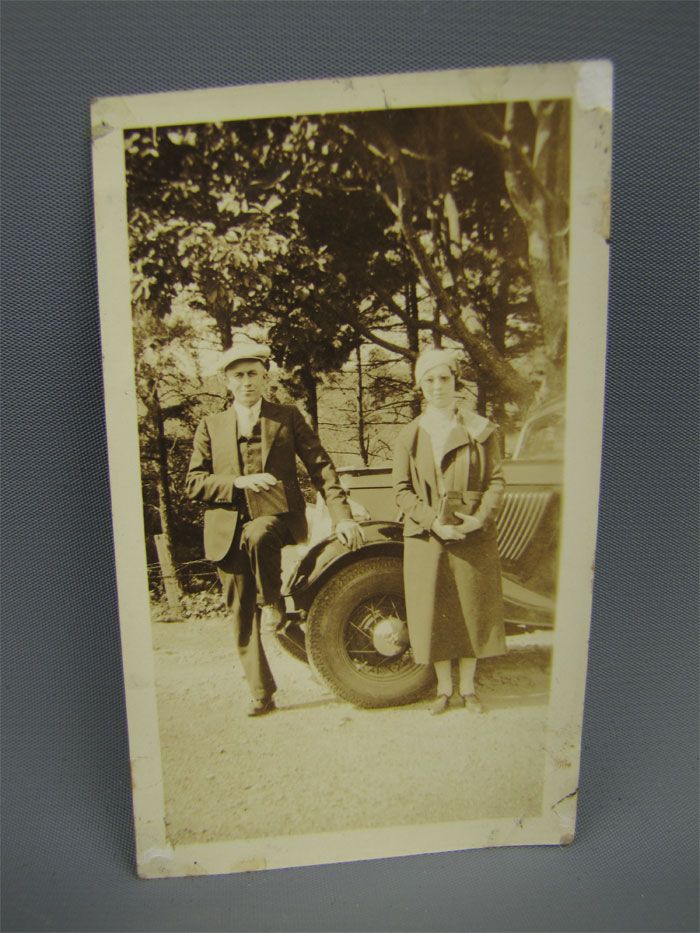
(347, 677)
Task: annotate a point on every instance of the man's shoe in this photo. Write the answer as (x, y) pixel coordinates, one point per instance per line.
(273, 616)
(260, 706)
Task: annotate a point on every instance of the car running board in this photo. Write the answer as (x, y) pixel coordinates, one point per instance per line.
(528, 599)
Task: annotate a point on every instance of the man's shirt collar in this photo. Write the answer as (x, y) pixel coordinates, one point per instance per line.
(247, 417)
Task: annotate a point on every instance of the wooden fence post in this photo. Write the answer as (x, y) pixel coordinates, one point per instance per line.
(169, 574)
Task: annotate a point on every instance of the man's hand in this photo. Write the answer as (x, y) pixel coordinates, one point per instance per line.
(256, 482)
(448, 532)
(350, 534)
(469, 523)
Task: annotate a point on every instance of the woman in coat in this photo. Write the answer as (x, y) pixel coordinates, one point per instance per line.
(448, 482)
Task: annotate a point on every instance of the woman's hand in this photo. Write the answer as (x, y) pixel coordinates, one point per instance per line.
(469, 523)
(448, 532)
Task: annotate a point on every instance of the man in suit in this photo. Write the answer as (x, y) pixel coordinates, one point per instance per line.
(243, 467)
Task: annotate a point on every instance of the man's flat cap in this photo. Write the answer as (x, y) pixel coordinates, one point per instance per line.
(245, 350)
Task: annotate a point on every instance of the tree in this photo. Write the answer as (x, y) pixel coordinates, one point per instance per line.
(441, 196)
(532, 143)
(350, 242)
(173, 392)
(223, 216)
(369, 190)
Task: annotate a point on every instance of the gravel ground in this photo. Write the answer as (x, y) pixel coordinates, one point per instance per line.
(319, 764)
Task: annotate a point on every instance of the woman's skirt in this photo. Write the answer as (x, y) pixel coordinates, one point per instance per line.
(454, 600)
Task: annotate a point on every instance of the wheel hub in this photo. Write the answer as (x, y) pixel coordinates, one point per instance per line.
(390, 636)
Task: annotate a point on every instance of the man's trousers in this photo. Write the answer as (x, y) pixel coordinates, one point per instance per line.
(251, 577)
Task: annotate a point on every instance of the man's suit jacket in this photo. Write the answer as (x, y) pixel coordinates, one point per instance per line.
(215, 464)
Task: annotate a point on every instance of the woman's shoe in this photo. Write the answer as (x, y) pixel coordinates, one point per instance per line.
(472, 702)
(260, 706)
(440, 705)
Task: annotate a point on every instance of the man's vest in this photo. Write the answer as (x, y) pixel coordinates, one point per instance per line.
(250, 449)
(250, 452)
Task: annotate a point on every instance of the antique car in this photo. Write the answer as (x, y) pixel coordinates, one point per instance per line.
(346, 609)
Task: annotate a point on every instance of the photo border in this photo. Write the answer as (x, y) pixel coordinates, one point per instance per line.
(588, 85)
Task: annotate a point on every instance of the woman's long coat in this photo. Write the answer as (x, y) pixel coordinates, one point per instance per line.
(453, 589)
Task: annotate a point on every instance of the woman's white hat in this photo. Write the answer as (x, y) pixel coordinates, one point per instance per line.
(429, 359)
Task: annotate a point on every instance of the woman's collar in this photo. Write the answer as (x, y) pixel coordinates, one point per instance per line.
(439, 415)
(476, 426)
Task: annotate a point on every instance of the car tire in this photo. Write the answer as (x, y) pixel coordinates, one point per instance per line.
(340, 648)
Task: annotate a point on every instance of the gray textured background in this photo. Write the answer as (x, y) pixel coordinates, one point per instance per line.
(67, 812)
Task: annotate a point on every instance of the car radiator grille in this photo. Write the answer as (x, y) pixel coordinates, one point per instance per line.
(519, 518)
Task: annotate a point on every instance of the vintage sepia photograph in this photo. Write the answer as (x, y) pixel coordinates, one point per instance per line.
(353, 339)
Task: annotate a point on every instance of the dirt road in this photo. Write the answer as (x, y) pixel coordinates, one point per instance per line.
(319, 764)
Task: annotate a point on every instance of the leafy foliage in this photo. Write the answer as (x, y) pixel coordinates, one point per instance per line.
(349, 242)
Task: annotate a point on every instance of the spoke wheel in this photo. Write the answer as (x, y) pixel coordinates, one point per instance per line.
(357, 638)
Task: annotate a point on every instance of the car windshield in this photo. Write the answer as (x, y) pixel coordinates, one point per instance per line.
(543, 439)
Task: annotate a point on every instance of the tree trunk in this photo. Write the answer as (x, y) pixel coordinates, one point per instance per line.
(539, 191)
(218, 307)
(171, 584)
(496, 324)
(437, 336)
(411, 303)
(480, 398)
(489, 364)
(412, 332)
(434, 216)
(165, 509)
(308, 381)
(362, 440)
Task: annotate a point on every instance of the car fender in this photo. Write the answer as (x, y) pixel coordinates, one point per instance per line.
(523, 606)
(329, 555)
